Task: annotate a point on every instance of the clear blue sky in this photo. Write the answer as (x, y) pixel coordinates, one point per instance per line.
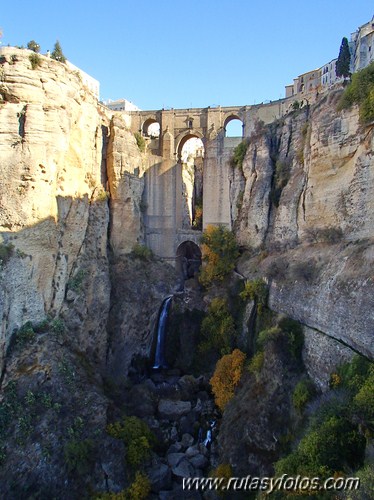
(161, 53)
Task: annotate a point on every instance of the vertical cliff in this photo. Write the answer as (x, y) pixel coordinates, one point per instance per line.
(303, 205)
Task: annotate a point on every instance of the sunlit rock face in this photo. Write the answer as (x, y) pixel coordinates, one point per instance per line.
(52, 202)
(305, 197)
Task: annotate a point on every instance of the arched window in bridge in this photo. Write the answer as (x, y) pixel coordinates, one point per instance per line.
(191, 154)
(234, 127)
(151, 128)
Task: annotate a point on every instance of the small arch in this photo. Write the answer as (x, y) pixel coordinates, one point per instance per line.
(188, 259)
(151, 128)
(234, 126)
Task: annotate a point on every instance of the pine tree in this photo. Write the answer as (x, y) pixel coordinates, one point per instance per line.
(344, 59)
(57, 53)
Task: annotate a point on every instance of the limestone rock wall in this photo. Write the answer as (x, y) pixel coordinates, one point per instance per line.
(305, 197)
(52, 203)
(126, 166)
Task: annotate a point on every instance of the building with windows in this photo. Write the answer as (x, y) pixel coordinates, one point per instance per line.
(362, 46)
(121, 105)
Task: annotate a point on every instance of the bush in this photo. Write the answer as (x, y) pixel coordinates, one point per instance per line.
(266, 335)
(79, 456)
(222, 471)
(256, 363)
(58, 326)
(322, 452)
(361, 91)
(32, 45)
(35, 60)
(25, 335)
(6, 251)
(217, 328)
(295, 336)
(142, 252)
(140, 141)
(239, 154)
(76, 281)
(363, 402)
(220, 252)
(226, 377)
(136, 435)
(280, 180)
(256, 290)
(140, 488)
(302, 394)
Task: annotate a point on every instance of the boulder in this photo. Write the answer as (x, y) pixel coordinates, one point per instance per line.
(199, 461)
(173, 410)
(187, 440)
(160, 477)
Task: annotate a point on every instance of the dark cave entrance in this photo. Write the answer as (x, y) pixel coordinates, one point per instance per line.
(188, 259)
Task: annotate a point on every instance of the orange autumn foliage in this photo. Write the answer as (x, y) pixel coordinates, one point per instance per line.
(226, 377)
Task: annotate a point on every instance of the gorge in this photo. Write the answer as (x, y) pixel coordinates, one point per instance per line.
(96, 234)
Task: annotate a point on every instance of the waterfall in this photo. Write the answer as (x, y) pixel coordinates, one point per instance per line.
(160, 361)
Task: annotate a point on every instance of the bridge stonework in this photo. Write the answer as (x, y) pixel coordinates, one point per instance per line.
(164, 197)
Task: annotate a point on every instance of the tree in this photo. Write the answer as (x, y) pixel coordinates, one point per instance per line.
(344, 59)
(220, 252)
(226, 377)
(57, 53)
(32, 45)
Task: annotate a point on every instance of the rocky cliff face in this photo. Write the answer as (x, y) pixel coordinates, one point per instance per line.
(304, 198)
(60, 152)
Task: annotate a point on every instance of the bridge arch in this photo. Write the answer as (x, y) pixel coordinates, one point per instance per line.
(231, 126)
(188, 259)
(151, 127)
(183, 138)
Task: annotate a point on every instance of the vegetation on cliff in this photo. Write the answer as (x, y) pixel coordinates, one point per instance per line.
(220, 252)
(361, 92)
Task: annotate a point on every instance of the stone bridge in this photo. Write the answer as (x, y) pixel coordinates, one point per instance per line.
(167, 197)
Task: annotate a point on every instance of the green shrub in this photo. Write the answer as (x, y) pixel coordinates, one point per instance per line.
(140, 488)
(32, 45)
(78, 456)
(256, 290)
(58, 326)
(76, 281)
(217, 328)
(25, 335)
(220, 252)
(332, 448)
(35, 60)
(142, 252)
(6, 251)
(302, 394)
(140, 141)
(353, 374)
(239, 154)
(266, 335)
(280, 180)
(137, 436)
(256, 363)
(295, 336)
(361, 91)
(363, 402)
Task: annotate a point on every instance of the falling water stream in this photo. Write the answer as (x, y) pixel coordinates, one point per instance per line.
(160, 361)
